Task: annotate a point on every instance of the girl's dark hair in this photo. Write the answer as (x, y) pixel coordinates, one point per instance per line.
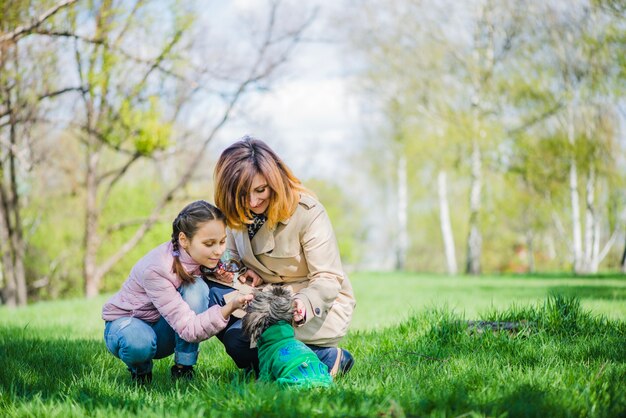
(188, 221)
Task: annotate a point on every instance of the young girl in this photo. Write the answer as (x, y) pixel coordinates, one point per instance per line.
(162, 307)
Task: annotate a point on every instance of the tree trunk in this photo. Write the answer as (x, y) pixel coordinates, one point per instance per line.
(573, 188)
(403, 236)
(474, 239)
(13, 206)
(9, 291)
(623, 262)
(530, 251)
(446, 226)
(15, 293)
(591, 247)
(91, 239)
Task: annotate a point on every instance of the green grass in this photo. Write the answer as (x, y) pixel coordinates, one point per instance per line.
(415, 357)
(386, 298)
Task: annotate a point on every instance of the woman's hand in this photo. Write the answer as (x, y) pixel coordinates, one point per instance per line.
(224, 276)
(299, 312)
(252, 275)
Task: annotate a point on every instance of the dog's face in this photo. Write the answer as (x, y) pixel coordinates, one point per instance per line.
(269, 306)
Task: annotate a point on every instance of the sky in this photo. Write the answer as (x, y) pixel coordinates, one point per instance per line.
(309, 116)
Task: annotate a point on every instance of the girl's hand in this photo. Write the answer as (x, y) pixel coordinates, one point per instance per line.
(252, 275)
(299, 312)
(239, 302)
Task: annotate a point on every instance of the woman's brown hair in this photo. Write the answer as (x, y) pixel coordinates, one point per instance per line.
(234, 172)
(188, 221)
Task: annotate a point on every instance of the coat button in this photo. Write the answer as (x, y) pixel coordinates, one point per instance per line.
(317, 311)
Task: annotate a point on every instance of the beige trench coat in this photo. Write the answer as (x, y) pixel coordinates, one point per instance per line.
(301, 252)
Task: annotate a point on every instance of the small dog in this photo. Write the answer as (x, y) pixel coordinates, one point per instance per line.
(282, 358)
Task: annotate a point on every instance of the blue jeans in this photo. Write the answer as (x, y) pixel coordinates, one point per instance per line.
(237, 345)
(137, 342)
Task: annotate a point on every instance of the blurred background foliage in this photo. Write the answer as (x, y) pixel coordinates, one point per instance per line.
(492, 133)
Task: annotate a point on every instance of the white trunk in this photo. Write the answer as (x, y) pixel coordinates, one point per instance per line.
(605, 251)
(595, 254)
(590, 224)
(474, 239)
(573, 187)
(446, 225)
(530, 253)
(623, 262)
(403, 236)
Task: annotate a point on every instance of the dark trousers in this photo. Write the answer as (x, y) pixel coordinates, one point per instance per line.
(238, 345)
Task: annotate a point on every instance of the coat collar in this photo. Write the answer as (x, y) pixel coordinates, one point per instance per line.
(263, 240)
(243, 241)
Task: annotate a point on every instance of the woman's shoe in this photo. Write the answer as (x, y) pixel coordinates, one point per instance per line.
(343, 363)
(182, 372)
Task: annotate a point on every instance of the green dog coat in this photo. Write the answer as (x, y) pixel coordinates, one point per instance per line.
(288, 361)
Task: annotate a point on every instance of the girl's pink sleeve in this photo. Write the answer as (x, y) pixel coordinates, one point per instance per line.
(188, 325)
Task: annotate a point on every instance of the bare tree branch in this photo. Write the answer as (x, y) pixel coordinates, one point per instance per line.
(607, 246)
(115, 47)
(47, 95)
(254, 76)
(536, 119)
(21, 31)
(132, 222)
(120, 173)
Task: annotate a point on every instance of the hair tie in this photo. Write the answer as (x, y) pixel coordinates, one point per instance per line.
(176, 253)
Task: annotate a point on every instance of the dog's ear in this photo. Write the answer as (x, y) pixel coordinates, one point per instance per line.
(281, 292)
(254, 324)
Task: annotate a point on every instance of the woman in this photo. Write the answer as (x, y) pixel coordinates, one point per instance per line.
(163, 307)
(284, 236)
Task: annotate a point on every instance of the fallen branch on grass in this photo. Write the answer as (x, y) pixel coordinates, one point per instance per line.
(511, 327)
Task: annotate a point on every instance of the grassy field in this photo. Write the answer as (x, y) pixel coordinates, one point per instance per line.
(415, 356)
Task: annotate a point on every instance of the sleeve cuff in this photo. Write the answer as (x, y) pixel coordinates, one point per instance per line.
(217, 320)
(311, 310)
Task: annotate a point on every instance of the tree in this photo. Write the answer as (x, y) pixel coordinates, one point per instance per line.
(140, 82)
(24, 88)
(404, 87)
(586, 43)
(111, 125)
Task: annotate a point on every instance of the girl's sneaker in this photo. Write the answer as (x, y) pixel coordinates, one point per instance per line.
(141, 379)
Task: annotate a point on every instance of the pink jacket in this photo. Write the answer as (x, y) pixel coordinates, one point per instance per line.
(151, 292)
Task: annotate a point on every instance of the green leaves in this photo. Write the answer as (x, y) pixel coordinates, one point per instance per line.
(139, 127)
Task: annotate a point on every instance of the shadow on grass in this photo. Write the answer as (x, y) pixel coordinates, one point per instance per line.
(590, 292)
(80, 371)
(570, 363)
(560, 275)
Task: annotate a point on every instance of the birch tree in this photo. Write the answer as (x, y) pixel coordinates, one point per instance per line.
(587, 45)
(404, 64)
